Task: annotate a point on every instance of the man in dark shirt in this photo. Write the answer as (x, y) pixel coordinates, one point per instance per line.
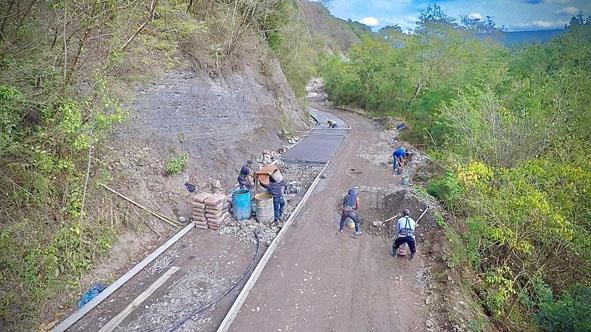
(244, 177)
(275, 189)
(349, 210)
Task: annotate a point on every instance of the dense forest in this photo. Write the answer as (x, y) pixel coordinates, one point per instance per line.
(509, 129)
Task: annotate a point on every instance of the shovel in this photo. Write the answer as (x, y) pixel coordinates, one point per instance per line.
(377, 223)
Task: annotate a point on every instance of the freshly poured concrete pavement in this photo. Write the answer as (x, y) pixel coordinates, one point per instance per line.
(320, 143)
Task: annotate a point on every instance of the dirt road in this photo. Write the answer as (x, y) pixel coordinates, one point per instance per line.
(321, 280)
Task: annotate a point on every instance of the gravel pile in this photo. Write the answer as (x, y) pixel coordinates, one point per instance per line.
(244, 230)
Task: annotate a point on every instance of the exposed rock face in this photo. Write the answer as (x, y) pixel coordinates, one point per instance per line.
(217, 123)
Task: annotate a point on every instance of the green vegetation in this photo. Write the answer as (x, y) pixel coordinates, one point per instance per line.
(511, 128)
(176, 165)
(299, 32)
(65, 67)
(570, 312)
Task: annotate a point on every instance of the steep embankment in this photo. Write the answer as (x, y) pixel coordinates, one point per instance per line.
(143, 96)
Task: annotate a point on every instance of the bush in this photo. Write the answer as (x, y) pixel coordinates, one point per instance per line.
(446, 189)
(176, 165)
(570, 312)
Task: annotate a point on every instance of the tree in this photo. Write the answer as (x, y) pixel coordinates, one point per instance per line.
(390, 30)
(434, 13)
(580, 20)
(433, 19)
(479, 25)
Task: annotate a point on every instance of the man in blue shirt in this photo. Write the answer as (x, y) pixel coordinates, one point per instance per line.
(398, 157)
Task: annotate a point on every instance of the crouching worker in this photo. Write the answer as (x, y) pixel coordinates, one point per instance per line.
(275, 189)
(398, 157)
(349, 210)
(405, 230)
(244, 178)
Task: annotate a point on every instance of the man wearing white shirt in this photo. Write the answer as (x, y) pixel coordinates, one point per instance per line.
(405, 231)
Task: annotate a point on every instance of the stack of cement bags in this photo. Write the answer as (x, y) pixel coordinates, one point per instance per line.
(216, 210)
(198, 207)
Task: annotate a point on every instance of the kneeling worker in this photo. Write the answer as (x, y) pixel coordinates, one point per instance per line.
(398, 157)
(405, 230)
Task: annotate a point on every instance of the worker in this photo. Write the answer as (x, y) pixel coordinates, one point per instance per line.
(245, 176)
(331, 124)
(405, 233)
(349, 210)
(398, 157)
(275, 189)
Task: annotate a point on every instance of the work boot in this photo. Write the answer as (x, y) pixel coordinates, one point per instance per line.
(357, 233)
(340, 230)
(412, 256)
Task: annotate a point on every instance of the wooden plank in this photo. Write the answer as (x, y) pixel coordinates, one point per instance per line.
(233, 312)
(155, 214)
(115, 321)
(73, 318)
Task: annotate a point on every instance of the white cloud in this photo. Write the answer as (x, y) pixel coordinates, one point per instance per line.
(549, 24)
(369, 21)
(570, 10)
(475, 16)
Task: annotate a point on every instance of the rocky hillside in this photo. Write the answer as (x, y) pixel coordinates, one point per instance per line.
(335, 35)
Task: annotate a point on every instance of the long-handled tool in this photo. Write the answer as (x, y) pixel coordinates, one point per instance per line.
(377, 223)
(155, 214)
(422, 214)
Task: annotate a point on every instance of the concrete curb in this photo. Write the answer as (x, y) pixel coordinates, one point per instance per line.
(74, 317)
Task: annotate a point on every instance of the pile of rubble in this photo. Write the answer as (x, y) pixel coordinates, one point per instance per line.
(244, 230)
(269, 157)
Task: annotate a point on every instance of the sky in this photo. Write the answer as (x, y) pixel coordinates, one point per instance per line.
(515, 15)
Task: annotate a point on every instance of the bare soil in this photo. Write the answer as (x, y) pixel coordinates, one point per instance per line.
(323, 280)
(211, 262)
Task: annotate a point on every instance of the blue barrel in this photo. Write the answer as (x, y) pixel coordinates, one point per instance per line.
(241, 204)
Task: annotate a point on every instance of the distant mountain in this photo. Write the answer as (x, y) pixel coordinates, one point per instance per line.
(511, 38)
